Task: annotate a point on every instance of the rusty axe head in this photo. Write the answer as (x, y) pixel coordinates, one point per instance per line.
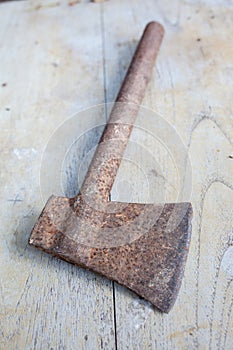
(141, 246)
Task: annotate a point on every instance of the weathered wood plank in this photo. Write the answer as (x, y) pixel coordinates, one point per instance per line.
(192, 90)
(51, 62)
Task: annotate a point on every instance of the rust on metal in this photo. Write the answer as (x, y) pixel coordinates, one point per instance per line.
(141, 246)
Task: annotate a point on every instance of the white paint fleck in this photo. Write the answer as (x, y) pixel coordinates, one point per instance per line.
(140, 310)
(24, 152)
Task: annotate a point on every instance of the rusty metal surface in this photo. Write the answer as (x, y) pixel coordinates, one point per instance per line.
(141, 246)
(151, 264)
(103, 169)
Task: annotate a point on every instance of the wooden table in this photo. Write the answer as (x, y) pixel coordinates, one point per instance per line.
(57, 60)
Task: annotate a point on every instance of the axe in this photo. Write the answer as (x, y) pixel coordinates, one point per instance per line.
(141, 246)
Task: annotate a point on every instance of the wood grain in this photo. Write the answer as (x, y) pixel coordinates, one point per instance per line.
(50, 75)
(57, 60)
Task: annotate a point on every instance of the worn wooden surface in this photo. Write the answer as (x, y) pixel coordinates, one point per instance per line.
(58, 59)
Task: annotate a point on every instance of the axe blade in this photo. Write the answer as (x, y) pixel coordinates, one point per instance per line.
(143, 247)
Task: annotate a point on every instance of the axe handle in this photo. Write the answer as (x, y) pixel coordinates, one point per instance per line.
(107, 158)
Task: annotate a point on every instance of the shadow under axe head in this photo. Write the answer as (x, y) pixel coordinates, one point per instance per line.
(141, 246)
